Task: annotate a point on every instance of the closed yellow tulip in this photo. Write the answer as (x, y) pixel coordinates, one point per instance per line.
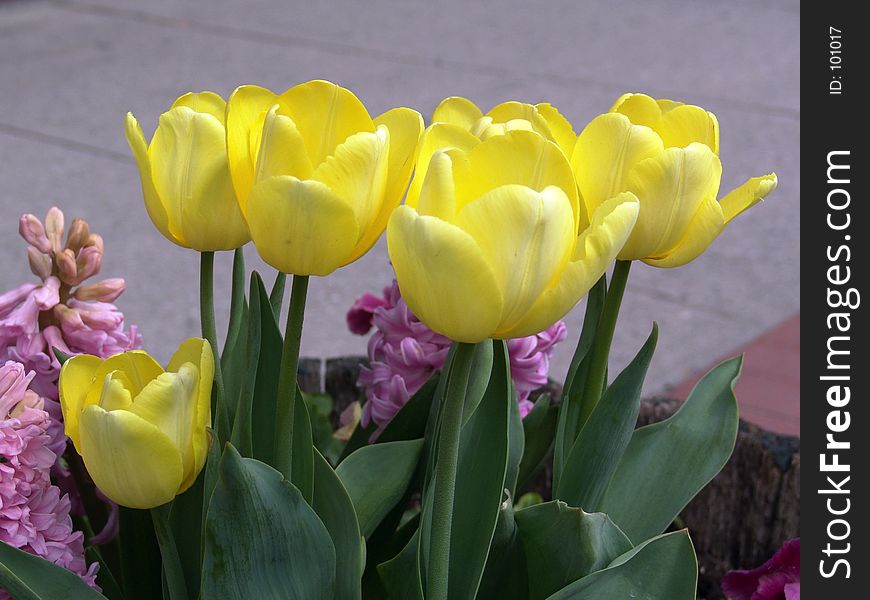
(141, 431)
(667, 154)
(185, 176)
(316, 177)
(458, 123)
(494, 246)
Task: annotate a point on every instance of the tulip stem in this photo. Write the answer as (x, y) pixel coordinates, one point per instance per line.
(286, 397)
(597, 378)
(446, 464)
(209, 332)
(169, 552)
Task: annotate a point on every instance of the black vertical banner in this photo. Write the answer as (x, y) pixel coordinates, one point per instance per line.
(835, 368)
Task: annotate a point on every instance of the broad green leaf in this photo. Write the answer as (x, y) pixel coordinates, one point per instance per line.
(376, 478)
(262, 539)
(662, 568)
(333, 505)
(667, 463)
(186, 521)
(563, 544)
(28, 577)
(242, 433)
(505, 575)
(605, 435)
(516, 444)
(302, 475)
(266, 387)
(570, 406)
(539, 427)
(401, 575)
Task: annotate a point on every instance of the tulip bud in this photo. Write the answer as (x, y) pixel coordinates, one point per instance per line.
(54, 228)
(78, 235)
(66, 266)
(141, 431)
(40, 264)
(33, 232)
(106, 290)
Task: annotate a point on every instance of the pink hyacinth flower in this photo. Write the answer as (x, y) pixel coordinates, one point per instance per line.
(778, 578)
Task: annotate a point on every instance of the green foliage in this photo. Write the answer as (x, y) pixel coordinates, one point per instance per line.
(28, 577)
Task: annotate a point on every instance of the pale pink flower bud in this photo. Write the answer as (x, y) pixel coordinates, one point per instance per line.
(106, 290)
(40, 264)
(66, 266)
(88, 262)
(69, 318)
(54, 228)
(33, 232)
(94, 240)
(78, 235)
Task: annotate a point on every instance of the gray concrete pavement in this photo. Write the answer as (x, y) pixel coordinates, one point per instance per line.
(69, 71)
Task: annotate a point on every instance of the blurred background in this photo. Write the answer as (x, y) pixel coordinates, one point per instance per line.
(70, 70)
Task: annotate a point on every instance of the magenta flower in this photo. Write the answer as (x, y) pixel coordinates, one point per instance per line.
(403, 353)
(34, 516)
(777, 579)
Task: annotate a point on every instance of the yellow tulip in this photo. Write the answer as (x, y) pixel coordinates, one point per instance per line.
(667, 154)
(315, 176)
(185, 176)
(140, 430)
(494, 246)
(458, 123)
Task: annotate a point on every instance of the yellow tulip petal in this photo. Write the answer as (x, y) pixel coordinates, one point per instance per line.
(438, 194)
(76, 378)
(458, 111)
(301, 227)
(488, 129)
(508, 111)
(280, 149)
(705, 227)
(130, 460)
(438, 136)
(527, 238)
(686, 123)
(137, 366)
(326, 114)
(639, 108)
(169, 403)
(204, 102)
(671, 188)
(518, 157)
(594, 252)
(605, 152)
(155, 208)
(357, 173)
(406, 127)
(443, 276)
(747, 195)
(245, 111)
(560, 128)
(197, 351)
(115, 394)
(190, 173)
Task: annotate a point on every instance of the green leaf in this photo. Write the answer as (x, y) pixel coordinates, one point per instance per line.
(478, 380)
(262, 539)
(570, 407)
(662, 568)
(606, 434)
(516, 444)
(333, 505)
(401, 575)
(268, 366)
(276, 297)
(242, 432)
(548, 530)
(410, 422)
(29, 577)
(186, 521)
(302, 474)
(539, 427)
(505, 576)
(62, 356)
(376, 477)
(667, 463)
(237, 301)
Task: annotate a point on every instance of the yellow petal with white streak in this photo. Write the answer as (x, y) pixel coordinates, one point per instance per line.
(281, 150)
(204, 102)
(245, 111)
(458, 111)
(438, 136)
(747, 195)
(560, 128)
(705, 227)
(76, 378)
(443, 276)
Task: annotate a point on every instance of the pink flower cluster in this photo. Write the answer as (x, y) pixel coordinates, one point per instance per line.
(403, 353)
(60, 312)
(777, 579)
(34, 517)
